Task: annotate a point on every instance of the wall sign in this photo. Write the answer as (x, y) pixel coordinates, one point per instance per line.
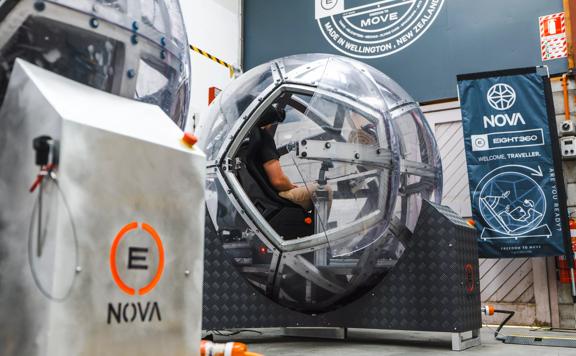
(553, 42)
(421, 44)
(376, 29)
(516, 184)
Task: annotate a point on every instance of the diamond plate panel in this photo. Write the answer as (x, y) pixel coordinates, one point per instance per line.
(429, 289)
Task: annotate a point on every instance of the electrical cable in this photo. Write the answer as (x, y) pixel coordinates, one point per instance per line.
(37, 280)
(527, 340)
(563, 330)
(493, 330)
(506, 320)
(231, 332)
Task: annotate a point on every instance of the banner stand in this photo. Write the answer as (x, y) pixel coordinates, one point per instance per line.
(557, 158)
(514, 164)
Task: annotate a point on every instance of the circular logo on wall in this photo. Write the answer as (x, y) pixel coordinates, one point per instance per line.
(329, 4)
(501, 96)
(377, 28)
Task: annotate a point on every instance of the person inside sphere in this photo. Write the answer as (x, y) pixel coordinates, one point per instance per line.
(268, 158)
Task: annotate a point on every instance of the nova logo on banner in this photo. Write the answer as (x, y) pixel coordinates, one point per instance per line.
(501, 96)
(518, 199)
(376, 28)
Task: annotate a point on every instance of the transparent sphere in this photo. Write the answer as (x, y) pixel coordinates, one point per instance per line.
(318, 165)
(134, 48)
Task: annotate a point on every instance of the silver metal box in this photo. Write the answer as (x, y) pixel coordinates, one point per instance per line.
(105, 257)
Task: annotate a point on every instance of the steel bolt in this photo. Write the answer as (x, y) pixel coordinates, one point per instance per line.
(187, 273)
(94, 23)
(134, 39)
(135, 26)
(39, 5)
(131, 73)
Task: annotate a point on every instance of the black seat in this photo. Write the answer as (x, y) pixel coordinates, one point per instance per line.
(288, 219)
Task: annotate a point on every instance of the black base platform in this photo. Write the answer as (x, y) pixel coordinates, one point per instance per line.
(435, 286)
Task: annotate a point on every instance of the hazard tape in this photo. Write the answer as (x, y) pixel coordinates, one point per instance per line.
(215, 59)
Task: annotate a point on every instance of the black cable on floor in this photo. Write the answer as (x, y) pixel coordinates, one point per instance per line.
(227, 333)
(506, 320)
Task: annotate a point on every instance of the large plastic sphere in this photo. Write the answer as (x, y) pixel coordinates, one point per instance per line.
(133, 48)
(347, 135)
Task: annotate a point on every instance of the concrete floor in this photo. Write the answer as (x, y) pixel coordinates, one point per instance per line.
(376, 342)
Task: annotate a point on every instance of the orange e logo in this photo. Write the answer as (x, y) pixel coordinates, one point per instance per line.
(137, 258)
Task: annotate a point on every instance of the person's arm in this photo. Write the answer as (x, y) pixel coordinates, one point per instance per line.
(276, 176)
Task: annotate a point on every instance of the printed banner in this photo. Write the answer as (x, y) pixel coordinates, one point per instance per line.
(516, 186)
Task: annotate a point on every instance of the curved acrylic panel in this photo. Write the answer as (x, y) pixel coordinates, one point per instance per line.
(356, 159)
(421, 171)
(133, 48)
(356, 166)
(230, 106)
